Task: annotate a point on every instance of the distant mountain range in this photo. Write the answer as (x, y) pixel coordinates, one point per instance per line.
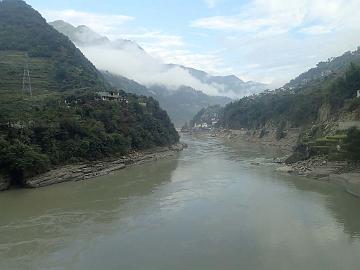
(230, 86)
(133, 70)
(181, 105)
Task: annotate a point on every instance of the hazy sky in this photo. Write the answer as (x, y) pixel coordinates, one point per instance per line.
(269, 41)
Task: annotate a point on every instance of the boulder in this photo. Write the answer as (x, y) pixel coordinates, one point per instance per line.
(301, 152)
(285, 169)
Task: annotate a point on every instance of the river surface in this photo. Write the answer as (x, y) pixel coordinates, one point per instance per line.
(210, 207)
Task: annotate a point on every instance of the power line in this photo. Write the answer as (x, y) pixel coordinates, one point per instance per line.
(26, 85)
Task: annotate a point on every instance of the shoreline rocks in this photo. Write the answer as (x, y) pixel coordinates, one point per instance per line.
(318, 167)
(85, 171)
(343, 173)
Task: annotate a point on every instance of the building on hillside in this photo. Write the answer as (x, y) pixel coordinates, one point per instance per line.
(358, 93)
(112, 96)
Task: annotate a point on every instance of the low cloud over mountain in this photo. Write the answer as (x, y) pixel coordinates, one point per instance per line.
(126, 58)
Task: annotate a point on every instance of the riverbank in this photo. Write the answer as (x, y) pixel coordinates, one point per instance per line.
(345, 173)
(88, 170)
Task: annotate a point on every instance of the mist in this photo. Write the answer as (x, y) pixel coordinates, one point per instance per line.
(125, 58)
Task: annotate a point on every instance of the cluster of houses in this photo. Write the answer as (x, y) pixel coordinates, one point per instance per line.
(209, 124)
(112, 96)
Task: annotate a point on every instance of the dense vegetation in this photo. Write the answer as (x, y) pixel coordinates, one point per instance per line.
(297, 108)
(34, 136)
(64, 121)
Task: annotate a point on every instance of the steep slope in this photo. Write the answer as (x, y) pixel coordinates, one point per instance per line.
(127, 85)
(333, 67)
(81, 35)
(72, 115)
(26, 36)
(323, 107)
(321, 93)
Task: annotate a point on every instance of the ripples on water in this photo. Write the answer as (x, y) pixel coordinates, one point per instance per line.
(215, 206)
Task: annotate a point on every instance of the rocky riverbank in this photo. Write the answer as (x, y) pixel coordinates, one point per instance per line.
(84, 171)
(345, 173)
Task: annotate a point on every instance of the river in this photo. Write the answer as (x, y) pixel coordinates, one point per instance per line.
(210, 207)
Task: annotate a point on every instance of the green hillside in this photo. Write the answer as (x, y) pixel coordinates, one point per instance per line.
(313, 102)
(296, 108)
(12, 65)
(25, 32)
(64, 120)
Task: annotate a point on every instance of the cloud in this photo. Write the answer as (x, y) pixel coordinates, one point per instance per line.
(279, 16)
(137, 65)
(127, 59)
(273, 41)
(173, 49)
(157, 37)
(102, 23)
(316, 30)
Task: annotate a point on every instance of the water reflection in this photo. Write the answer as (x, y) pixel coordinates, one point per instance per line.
(342, 206)
(35, 223)
(216, 206)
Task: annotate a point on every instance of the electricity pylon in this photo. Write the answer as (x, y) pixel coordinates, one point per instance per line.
(26, 78)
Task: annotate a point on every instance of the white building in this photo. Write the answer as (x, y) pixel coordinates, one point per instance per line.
(111, 96)
(358, 93)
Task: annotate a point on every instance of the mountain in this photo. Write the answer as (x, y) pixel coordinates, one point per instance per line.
(150, 71)
(333, 67)
(322, 103)
(181, 105)
(230, 86)
(54, 61)
(54, 108)
(80, 35)
(83, 36)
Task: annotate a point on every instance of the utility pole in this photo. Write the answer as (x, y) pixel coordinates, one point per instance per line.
(26, 86)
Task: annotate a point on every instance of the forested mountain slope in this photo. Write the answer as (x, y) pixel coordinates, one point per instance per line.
(300, 106)
(62, 118)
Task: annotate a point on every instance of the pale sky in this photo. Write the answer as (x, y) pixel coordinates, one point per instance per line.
(269, 41)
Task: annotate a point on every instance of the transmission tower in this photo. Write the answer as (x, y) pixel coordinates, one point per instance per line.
(26, 87)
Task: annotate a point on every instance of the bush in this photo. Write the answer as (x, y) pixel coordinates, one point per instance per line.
(352, 143)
